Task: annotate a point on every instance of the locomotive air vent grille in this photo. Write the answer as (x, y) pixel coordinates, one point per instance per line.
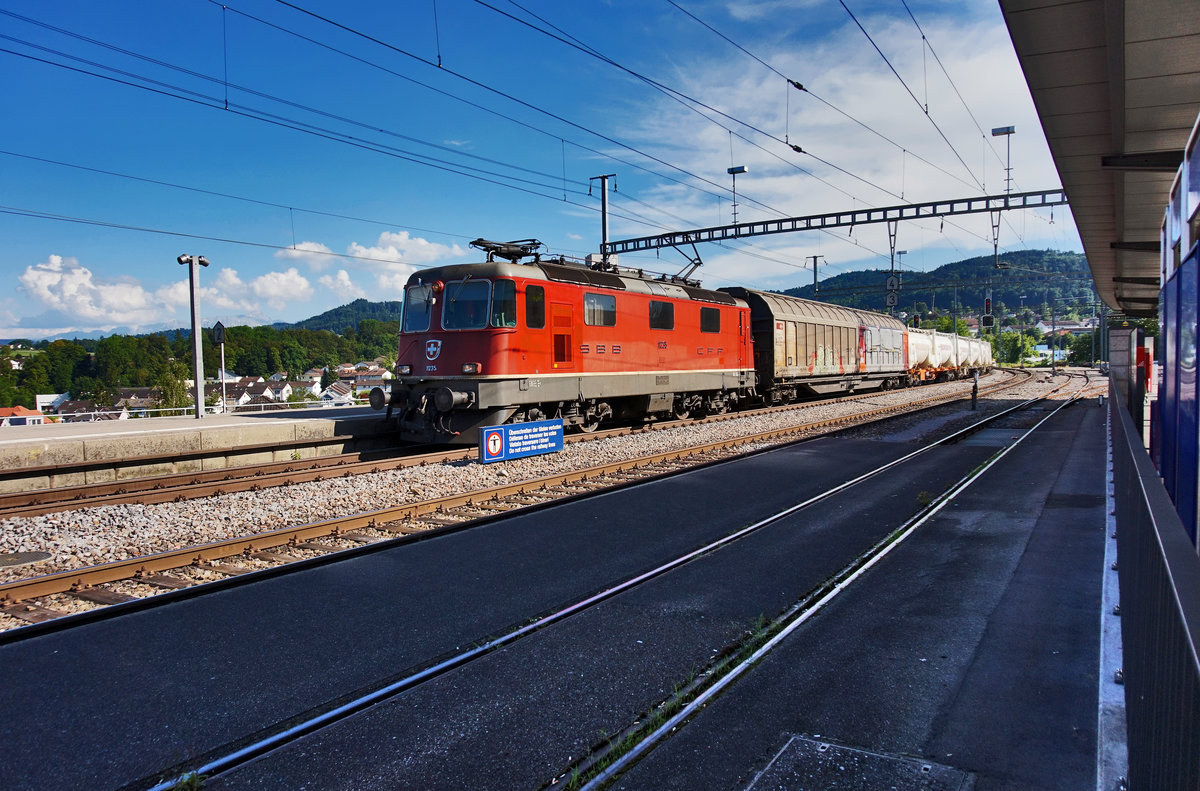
(703, 295)
(587, 277)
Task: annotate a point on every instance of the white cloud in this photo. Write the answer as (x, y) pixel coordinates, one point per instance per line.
(341, 285)
(279, 288)
(63, 285)
(398, 247)
(845, 70)
(314, 254)
(390, 285)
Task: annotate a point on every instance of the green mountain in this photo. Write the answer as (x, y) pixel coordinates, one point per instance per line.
(1032, 279)
(338, 319)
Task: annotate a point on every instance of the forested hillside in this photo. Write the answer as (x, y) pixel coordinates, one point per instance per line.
(350, 315)
(1034, 279)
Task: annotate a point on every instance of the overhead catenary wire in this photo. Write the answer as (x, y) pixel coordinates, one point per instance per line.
(801, 87)
(678, 96)
(291, 123)
(17, 211)
(950, 80)
(262, 95)
(230, 196)
(986, 138)
(212, 102)
(496, 91)
(806, 89)
(301, 126)
(259, 115)
(925, 110)
(374, 64)
(686, 100)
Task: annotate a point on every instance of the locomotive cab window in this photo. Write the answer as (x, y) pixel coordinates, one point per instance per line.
(535, 307)
(662, 315)
(466, 305)
(418, 305)
(504, 303)
(599, 310)
(710, 320)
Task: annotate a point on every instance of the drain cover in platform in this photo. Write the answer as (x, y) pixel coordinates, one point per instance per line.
(809, 765)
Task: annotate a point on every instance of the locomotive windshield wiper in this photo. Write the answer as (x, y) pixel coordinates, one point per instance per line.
(458, 290)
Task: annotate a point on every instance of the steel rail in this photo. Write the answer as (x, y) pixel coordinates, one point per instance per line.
(189, 485)
(133, 569)
(799, 614)
(248, 752)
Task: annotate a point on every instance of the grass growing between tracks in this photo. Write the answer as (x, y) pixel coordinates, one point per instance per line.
(190, 782)
(609, 749)
(729, 661)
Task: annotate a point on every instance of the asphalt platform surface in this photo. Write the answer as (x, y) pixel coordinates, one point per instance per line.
(971, 650)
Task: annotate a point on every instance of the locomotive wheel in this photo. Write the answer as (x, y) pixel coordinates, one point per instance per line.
(680, 412)
(589, 425)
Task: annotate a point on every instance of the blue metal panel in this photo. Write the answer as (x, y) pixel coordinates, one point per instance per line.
(1168, 399)
(516, 440)
(1187, 457)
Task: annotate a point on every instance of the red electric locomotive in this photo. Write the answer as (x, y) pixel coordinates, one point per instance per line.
(488, 343)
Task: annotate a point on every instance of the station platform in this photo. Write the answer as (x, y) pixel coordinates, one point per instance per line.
(211, 442)
(968, 658)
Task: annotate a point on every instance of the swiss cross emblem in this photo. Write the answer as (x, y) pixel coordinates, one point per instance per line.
(432, 349)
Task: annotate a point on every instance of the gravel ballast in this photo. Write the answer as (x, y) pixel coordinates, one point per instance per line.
(92, 536)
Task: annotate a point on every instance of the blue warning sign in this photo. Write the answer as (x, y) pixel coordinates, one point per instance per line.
(498, 443)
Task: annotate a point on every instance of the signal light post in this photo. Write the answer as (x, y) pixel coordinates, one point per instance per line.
(194, 261)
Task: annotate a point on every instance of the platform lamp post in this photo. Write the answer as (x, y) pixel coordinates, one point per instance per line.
(194, 262)
(1006, 132)
(734, 171)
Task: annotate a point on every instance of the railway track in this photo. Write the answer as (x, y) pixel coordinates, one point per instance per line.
(192, 485)
(617, 751)
(53, 595)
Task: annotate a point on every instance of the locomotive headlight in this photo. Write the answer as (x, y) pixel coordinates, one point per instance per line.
(404, 369)
(471, 368)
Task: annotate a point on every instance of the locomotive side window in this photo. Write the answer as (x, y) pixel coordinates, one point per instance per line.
(466, 305)
(662, 315)
(418, 304)
(710, 320)
(504, 303)
(535, 307)
(599, 310)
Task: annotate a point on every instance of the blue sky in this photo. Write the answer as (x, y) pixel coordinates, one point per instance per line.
(316, 153)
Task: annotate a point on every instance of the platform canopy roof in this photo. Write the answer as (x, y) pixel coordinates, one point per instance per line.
(1116, 84)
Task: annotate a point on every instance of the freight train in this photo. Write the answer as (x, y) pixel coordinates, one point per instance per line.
(505, 341)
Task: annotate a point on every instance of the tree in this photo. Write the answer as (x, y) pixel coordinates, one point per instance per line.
(1081, 350)
(943, 324)
(1015, 348)
(171, 385)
